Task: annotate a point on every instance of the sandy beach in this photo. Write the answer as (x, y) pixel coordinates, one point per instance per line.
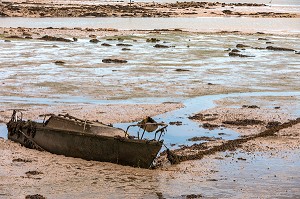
(264, 161)
(249, 80)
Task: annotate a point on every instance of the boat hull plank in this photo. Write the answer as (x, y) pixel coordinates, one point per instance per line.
(120, 150)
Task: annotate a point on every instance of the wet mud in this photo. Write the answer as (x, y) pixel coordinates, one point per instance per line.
(244, 122)
(230, 145)
(203, 138)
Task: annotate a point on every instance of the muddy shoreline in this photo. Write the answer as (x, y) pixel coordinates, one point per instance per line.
(179, 9)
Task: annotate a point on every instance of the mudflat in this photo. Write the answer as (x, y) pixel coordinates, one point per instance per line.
(116, 76)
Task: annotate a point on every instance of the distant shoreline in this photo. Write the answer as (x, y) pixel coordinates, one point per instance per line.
(42, 8)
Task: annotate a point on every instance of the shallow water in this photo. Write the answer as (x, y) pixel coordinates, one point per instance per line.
(179, 134)
(3, 131)
(30, 76)
(203, 24)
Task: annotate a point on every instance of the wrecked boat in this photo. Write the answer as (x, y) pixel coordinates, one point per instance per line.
(89, 140)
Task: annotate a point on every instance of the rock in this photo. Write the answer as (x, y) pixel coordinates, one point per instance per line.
(75, 39)
(152, 40)
(36, 196)
(209, 126)
(250, 106)
(50, 38)
(181, 70)
(160, 46)
(235, 51)
(233, 54)
(123, 45)
(191, 196)
(126, 49)
(227, 12)
(59, 62)
(105, 44)
(241, 46)
(6, 40)
(114, 61)
(213, 180)
(279, 48)
(13, 37)
(21, 160)
(33, 173)
(94, 41)
(177, 123)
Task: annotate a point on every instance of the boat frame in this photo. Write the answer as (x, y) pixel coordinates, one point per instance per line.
(125, 150)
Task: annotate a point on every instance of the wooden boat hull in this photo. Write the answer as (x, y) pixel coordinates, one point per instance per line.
(119, 150)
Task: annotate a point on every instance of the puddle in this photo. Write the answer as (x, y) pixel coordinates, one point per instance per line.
(3, 131)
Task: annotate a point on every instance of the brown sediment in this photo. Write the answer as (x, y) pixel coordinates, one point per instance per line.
(229, 145)
(244, 122)
(203, 138)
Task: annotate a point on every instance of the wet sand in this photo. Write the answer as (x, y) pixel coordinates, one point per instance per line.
(272, 163)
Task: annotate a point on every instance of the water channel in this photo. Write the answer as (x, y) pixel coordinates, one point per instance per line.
(178, 135)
